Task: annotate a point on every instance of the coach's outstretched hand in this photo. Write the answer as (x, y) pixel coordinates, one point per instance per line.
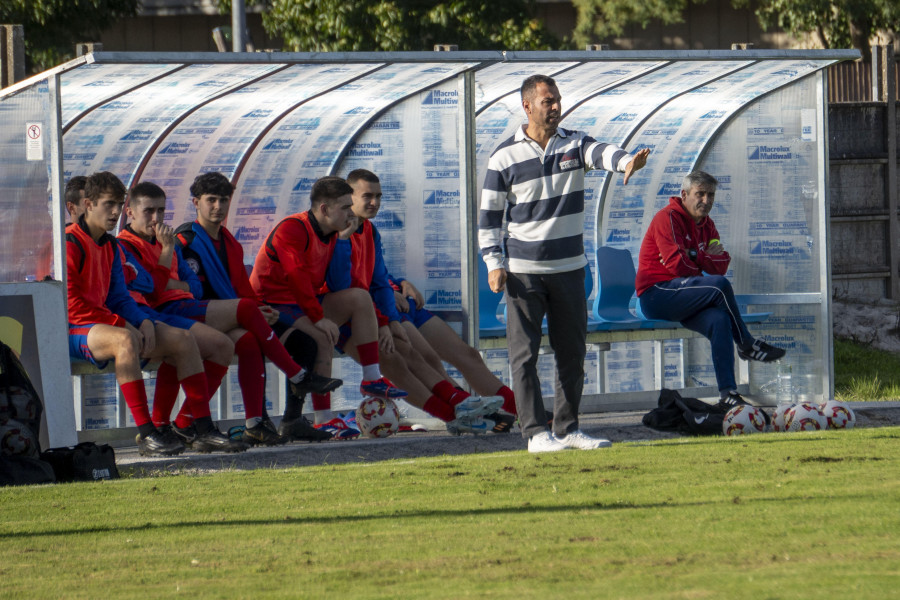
(637, 163)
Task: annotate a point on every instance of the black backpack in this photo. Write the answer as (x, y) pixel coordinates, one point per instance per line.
(687, 416)
(20, 425)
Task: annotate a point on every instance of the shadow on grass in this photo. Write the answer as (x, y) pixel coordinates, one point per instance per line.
(818, 437)
(511, 510)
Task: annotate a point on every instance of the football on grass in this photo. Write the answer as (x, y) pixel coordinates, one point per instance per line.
(805, 416)
(778, 416)
(377, 417)
(744, 419)
(839, 415)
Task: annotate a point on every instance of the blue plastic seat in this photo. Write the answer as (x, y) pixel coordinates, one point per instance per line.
(488, 323)
(615, 291)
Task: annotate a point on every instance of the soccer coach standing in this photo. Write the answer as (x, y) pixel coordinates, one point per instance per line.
(537, 179)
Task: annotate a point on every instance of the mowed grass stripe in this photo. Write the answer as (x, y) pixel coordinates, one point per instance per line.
(766, 516)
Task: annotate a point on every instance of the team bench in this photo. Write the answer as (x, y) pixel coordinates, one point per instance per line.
(613, 316)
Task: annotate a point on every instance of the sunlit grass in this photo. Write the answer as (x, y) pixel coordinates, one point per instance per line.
(765, 516)
(865, 374)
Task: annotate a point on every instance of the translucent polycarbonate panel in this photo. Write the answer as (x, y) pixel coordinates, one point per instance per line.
(769, 204)
(613, 116)
(92, 84)
(589, 79)
(498, 80)
(309, 142)
(230, 127)
(804, 332)
(768, 201)
(26, 230)
(677, 134)
(419, 218)
(498, 121)
(117, 135)
(754, 146)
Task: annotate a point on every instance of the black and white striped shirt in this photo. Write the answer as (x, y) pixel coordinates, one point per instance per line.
(540, 193)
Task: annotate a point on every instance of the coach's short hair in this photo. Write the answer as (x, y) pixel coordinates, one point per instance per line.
(103, 182)
(145, 189)
(530, 83)
(328, 189)
(698, 178)
(364, 174)
(212, 183)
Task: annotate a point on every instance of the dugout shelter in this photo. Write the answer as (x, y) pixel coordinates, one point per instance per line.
(426, 123)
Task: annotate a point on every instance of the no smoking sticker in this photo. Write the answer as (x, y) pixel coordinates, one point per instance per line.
(34, 141)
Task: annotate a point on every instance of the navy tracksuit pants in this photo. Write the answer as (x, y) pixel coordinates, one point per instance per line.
(704, 304)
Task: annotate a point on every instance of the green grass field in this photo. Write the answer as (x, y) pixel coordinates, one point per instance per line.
(765, 516)
(865, 374)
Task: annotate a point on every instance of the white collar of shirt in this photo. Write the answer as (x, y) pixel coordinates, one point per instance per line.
(521, 136)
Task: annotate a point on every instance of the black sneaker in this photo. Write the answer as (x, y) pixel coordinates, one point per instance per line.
(315, 383)
(263, 434)
(187, 434)
(216, 441)
(159, 443)
(761, 351)
(731, 400)
(502, 422)
(300, 429)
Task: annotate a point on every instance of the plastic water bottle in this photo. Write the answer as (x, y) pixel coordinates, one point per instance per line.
(784, 393)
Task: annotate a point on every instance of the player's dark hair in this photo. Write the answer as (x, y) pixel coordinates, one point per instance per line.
(328, 189)
(74, 187)
(103, 182)
(698, 178)
(364, 174)
(531, 83)
(145, 189)
(212, 183)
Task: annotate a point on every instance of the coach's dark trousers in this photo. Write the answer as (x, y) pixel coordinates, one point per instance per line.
(559, 296)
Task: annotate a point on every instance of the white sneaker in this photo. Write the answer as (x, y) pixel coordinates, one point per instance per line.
(544, 442)
(578, 440)
(478, 426)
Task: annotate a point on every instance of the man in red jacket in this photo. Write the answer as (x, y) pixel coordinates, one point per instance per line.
(681, 245)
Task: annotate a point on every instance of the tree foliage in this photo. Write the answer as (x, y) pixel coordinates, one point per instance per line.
(599, 20)
(392, 25)
(834, 23)
(53, 27)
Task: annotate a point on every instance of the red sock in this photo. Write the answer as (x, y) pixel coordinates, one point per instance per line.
(215, 373)
(509, 400)
(321, 401)
(440, 409)
(249, 317)
(251, 375)
(444, 390)
(136, 398)
(165, 394)
(368, 353)
(196, 394)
